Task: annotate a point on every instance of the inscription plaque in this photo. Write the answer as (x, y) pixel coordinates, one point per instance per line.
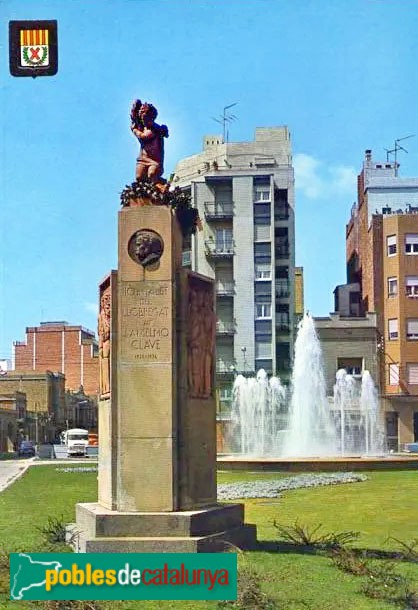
(146, 322)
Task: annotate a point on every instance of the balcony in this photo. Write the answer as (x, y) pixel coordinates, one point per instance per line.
(282, 250)
(220, 210)
(225, 289)
(225, 368)
(282, 290)
(281, 214)
(225, 327)
(219, 250)
(283, 326)
(283, 365)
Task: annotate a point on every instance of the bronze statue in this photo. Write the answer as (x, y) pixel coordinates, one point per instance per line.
(150, 163)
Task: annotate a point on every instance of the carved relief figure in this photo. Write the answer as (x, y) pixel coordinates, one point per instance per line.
(194, 345)
(150, 163)
(104, 343)
(201, 342)
(209, 324)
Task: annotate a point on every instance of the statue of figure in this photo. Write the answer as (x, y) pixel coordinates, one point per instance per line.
(104, 343)
(151, 137)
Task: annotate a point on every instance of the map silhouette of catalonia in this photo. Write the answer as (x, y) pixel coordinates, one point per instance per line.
(29, 574)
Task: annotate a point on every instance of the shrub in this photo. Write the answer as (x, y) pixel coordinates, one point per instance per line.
(304, 535)
(348, 560)
(250, 596)
(384, 582)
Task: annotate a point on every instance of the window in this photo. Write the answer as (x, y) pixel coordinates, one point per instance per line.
(262, 253)
(262, 349)
(353, 366)
(262, 232)
(412, 373)
(411, 243)
(391, 245)
(393, 374)
(411, 286)
(263, 310)
(225, 393)
(223, 239)
(261, 193)
(393, 328)
(412, 328)
(392, 286)
(262, 271)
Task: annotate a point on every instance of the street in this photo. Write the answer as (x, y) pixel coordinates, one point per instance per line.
(10, 469)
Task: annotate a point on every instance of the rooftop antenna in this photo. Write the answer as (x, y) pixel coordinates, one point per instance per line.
(395, 151)
(225, 118)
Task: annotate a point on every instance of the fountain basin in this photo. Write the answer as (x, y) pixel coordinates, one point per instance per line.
(320, 464)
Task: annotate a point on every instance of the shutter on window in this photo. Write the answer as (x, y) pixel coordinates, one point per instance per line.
(393, 326)
(412, 327)
(412, 370)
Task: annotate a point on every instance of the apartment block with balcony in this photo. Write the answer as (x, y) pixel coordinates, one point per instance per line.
(382, 262)
(244, 192)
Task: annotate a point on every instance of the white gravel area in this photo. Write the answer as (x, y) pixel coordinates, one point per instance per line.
(273, 488)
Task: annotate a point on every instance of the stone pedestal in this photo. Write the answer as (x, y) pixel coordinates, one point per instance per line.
(157, 421)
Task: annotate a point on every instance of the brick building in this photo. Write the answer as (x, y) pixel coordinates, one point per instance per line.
(60, 347)
(382, 270)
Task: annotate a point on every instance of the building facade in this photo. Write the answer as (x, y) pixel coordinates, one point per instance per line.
(44, 401)
(382, 261)
(12, 418)
(60, 347)
(245, 195)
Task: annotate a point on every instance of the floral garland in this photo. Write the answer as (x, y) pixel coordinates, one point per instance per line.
(35, 63)
(179, 201)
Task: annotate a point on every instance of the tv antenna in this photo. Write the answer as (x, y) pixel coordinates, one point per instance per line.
(225, 119)
(395, 151)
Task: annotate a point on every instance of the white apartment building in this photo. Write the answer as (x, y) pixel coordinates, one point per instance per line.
(244, 192)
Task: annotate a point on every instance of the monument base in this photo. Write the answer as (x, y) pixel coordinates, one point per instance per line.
(210, 530)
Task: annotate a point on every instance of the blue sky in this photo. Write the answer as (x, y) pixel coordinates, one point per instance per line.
(341, 75)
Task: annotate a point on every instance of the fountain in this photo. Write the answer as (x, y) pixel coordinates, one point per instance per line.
(268, 421)
(257, 414)
(311, 431)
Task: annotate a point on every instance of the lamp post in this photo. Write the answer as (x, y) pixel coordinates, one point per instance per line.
(244, 356)
(36, 423)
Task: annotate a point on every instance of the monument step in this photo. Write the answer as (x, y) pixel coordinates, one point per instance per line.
(95, 521)
(242, 537)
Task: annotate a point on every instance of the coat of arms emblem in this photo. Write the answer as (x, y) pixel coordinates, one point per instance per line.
(34, 48)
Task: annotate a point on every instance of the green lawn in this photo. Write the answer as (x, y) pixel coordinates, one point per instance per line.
(384, 506)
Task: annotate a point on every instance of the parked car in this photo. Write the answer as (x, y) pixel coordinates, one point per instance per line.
(26, 449)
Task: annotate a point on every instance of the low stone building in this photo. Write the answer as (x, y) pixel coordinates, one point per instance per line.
(349, 343)
(45, 405)
(12, 417)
